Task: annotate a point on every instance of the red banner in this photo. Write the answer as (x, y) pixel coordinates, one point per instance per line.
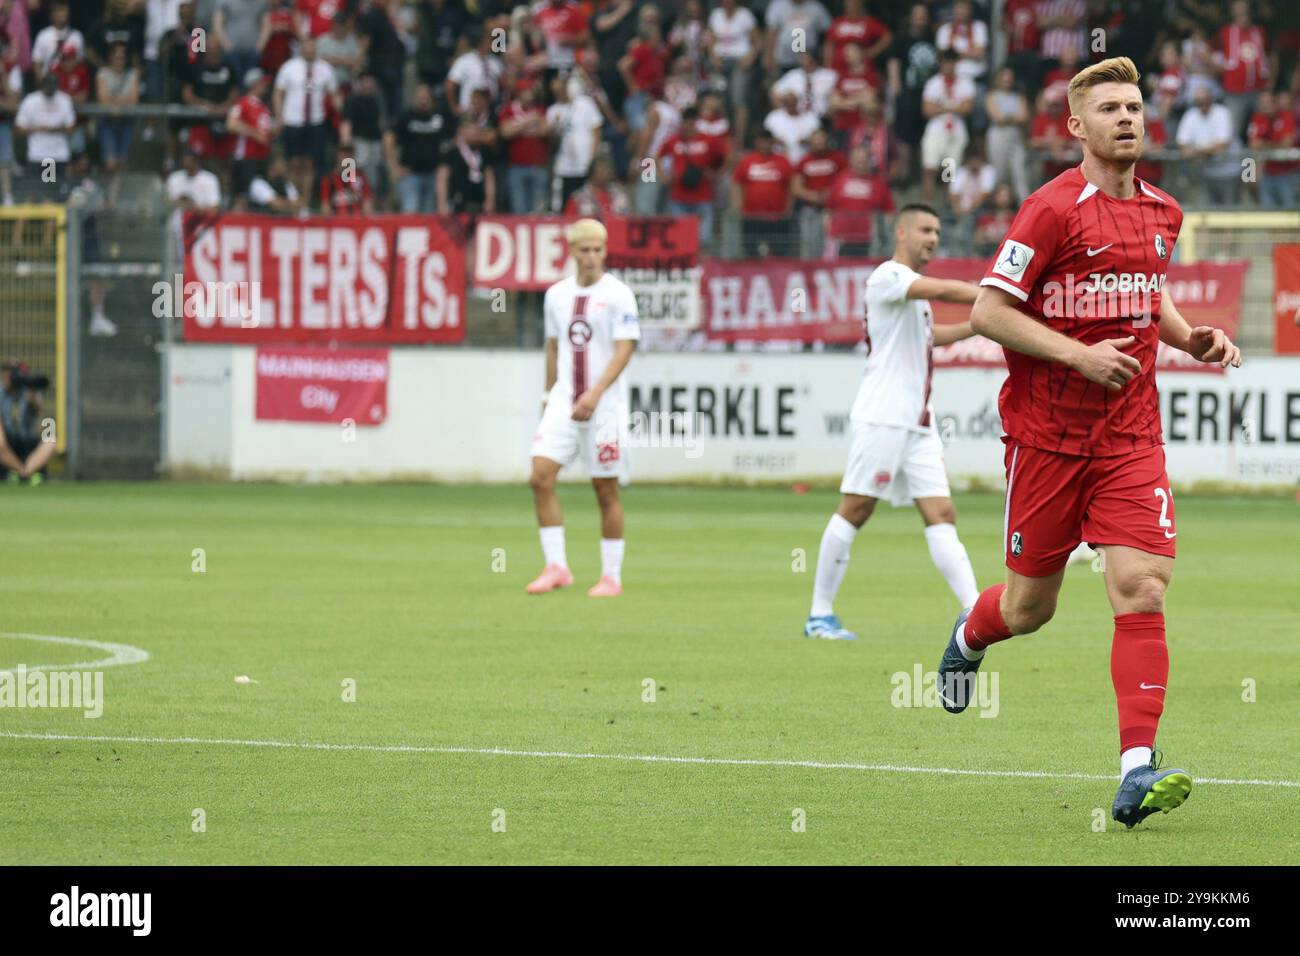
(389, 279)
(530, 252)
(1286, 299)
(322, 385)
(818, 300)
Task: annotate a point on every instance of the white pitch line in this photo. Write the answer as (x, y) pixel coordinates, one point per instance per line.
(119, 654)
(632, 758)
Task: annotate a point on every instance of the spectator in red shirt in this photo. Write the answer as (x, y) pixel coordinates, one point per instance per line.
(1050, 134)
(601, 196)
(761, 194)
(813, 176)
(279, 29)
(991, 227)
(857, 197)
(1241, 57)
(564, 25)
(643, 67)
(858, 84)
(857, 28)
(1274, 127)
(1057, 80)
(1156, 136)
(713, 123)
(252, 124)
(74, 79)
(346, 191)
(316, 17)
(874, 133)
(528, 148)
(1020, 25)
(692, 161)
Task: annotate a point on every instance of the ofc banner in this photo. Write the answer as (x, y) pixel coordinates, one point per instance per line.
(658, 256)
(815, 300)
(383, 279)
(322, 385)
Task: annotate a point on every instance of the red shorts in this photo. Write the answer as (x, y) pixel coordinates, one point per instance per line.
(1055, 501)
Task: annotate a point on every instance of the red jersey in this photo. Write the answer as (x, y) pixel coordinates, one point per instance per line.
(852, 201)
(648, 66)
(1152, 170)
(819, 171)
(1092, 268)
(698, 151)
(1020, 21)
(1245, 58)
(848, 84)
(279, 45)
(562, 21)
(253, 112)
(718, 131)
(344, 197)
(75, 80)
(764, 184)
(864, 31)
(524, 150)
(319, 14)
(1274, 130)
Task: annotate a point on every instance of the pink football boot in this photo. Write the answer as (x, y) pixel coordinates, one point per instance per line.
(553, 576)
(605, 587)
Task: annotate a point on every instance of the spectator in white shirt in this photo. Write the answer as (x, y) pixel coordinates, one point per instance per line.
(792, 126)
(967, 37)
(946, 101)
(810, 82)
(732, 43)
(477, 69)
(970, 190)
(49, 42)
(783, 18)
(576, 122)
(301, 88)
(1205, 135)
(191, 189)
(47, 118)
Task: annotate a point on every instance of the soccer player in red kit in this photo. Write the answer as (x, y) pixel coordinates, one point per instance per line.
(1074, 296)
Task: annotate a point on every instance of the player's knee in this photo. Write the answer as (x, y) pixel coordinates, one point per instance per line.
(1028, 614)
(944, 514)
(606, 493)
(1143, 594)
(541, 482)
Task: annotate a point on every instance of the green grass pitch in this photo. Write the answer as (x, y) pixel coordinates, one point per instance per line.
(401, 589)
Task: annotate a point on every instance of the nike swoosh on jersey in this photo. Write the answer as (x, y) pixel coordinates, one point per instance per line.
(1168, 535)
(1145, 686)
(1093, 252)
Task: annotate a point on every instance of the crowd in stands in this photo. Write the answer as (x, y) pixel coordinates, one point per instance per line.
(801, 118)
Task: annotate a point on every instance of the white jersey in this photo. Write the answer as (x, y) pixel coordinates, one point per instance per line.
(900, 337)
(587, 321)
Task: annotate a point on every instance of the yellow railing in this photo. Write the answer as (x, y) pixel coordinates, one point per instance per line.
(33, 297)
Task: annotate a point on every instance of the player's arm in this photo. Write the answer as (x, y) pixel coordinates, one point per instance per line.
(1203, 343)
(947, 333)
(945, 290)
(585, 406)
(996, 317)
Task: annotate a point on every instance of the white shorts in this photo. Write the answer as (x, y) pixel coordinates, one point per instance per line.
(897, 464)
(600, 441)
(939, 143)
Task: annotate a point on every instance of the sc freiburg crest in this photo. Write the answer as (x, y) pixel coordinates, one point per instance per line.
(1161, 249)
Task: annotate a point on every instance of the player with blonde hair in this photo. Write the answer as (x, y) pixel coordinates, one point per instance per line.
(591, 330)
(1075, 295)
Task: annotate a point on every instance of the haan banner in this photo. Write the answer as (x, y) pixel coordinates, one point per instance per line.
(815, 300)
(383, 279)
(322, 385)
(657, 256)
(1286, 299)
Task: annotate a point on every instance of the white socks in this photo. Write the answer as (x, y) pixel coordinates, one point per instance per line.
(611, 551)
(553, 545)
(832, 562)
(949, 556)
(611, 558)
(1133, 757)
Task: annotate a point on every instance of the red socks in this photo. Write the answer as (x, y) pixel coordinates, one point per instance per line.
(1139, 668)
(985, 625)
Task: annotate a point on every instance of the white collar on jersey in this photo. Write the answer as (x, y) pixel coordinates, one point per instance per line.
(1089, 189)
